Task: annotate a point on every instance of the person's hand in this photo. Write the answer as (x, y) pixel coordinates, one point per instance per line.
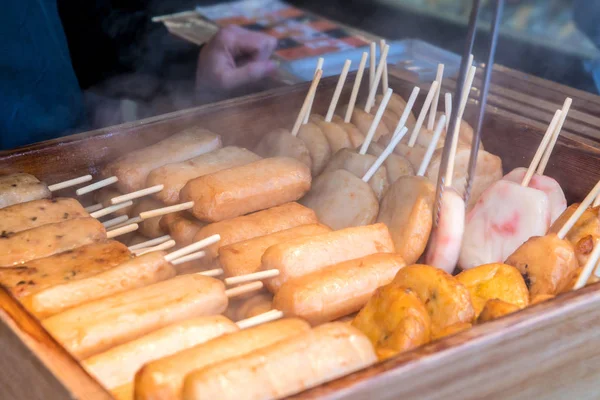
(233, 58)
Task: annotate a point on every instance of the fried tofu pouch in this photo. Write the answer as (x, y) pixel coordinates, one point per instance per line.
(446, 299)
(394, 320)
(495, 309)
(495, 281)
(547, 264)
(583, 234)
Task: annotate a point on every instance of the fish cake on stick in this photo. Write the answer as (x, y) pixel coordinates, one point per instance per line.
(281, 143)
(104, 196)
(254, 225)
(133, 168)
(301, 256)
(244, 257)
(337, 290)
(47, 240)
(79, 263)
(150, 227)
(181, 227)
(138, 272)
(584, 233)
(317, 145)
(20, 188)
(252, 187)
(175, 176)
(341, 200)
(23, 216)
(396, 166)
(118, 366)
(95, 327)
(163, 378)
(320, 355)
(356, 136)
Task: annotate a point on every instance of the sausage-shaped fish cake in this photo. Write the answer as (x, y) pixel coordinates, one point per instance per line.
(23, 216)
(252, 187)
(133, 168)
(21, 188)
(175, 176)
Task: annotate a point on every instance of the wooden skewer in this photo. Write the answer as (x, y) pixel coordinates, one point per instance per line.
(190, 257)
(96, 185)
(589, 267)
(115, 221)
(199, 245)
(121, 231)
(137, 194)
(151, 242)
(580, 210)
(134, 220)
(110, 209)
(384, 78)
(565, 110)
(338, 91)
(421, 118)
(541, 149)
(372, 64)
(243, 289)
(378, 73)
(461, 111)
(69, 183)
(432, 145)
(384, 154)
(256, 276)
(596, 202)
(268, 316)
(211, 272)
(356, 87)
(375, 123)
(93, 208)
(407, 110)
(434, 106)
(166, 210)
(319, 66)
(163, 246)
(448, 108)
(304, 110)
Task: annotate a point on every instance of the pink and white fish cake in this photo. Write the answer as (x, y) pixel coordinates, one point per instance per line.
(505, 216)
(558, 202)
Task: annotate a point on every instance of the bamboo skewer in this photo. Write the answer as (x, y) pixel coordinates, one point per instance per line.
(96, 185)
(243, 289)
(580, 210)
(190, 257)
(375, 123)
(338, 91)
(434, 105)
(256, 276)
(421, 118)
(304, 110)
(166, 210)
(110, 209)
(448, 108)
(378, 73)
(151, 242)
(115, 221)
(163, 246)
(541, 149)
(407, 110)
(134, 220)
(384, 79)
(69, 183)
(320, 62)
(137, 194)
(268, 316)
(211, 272)
(372, 64)
(121, 231)
(384, 155)
(432, 145)
(94, 207)
(565, 110)
(199, 245)
(356, 87)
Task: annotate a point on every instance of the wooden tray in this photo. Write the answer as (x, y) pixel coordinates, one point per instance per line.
(549, 351)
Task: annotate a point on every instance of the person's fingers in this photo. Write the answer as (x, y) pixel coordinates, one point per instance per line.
(251, 72)
(257, 45)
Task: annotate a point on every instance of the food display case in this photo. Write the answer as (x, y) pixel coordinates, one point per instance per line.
(549, 350)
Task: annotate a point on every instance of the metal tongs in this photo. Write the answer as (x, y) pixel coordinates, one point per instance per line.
(464, 68)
